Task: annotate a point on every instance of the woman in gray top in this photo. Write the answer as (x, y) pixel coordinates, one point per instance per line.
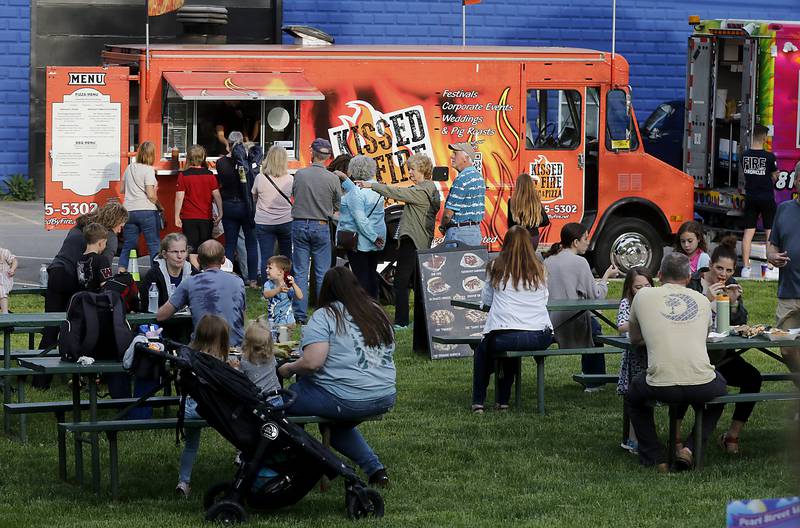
(570, 277)
(415, 231)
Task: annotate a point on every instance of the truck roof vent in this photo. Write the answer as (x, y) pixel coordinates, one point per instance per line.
(308, 36)
(203, 24)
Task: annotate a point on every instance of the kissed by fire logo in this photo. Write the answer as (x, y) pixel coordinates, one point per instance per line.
(550, 175)
(388, 138)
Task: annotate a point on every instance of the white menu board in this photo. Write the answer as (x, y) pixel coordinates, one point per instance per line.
(86, 141)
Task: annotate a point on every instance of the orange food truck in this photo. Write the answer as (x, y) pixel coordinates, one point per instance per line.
(561, 114)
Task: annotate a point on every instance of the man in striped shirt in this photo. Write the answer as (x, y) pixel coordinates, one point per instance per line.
(464, 208)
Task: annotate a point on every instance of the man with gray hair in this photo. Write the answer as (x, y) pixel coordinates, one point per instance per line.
(673, 322)
(317, 194)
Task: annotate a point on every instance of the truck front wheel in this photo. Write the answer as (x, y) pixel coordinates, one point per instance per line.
(628, 242)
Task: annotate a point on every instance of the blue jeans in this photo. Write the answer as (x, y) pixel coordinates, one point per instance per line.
(192, 443)
(235, 217)
(313, 400)
(310, 240)
(504, 341)
(145, 222)
(469, 235)
(594, 363)
(266, 235)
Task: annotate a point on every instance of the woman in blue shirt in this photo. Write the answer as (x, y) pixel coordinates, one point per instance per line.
(361, 212)
(346, 372)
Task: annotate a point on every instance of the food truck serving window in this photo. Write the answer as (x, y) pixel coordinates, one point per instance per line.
(205, 107)
(620, 133)
(553, 120)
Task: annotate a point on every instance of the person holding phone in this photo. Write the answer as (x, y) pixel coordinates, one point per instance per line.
(712, 281)
(279, 290)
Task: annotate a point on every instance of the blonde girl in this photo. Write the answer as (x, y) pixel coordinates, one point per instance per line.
(525, 208)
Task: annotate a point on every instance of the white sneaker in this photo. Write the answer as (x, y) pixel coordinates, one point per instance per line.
(745, 274)
(771, 273)
(590, 390)
(183, 489)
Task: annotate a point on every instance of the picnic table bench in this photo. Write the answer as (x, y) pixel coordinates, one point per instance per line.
(112, 428)
(596, 379)
(28, 290)
(538, 355)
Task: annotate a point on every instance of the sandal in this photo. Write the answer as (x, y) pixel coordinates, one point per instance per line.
(729, 444)
(477, 408)
(684, 460)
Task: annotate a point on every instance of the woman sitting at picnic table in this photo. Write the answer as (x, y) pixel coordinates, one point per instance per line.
(516, 292)
(346, 372)
(570, 277)
(711, 281)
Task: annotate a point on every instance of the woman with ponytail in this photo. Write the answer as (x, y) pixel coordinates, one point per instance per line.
(516, 292)
(712, 281)
(570, 277)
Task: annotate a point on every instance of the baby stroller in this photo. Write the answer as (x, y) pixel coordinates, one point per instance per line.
(296, 461)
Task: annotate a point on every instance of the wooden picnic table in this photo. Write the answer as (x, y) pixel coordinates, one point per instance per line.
(28, 290)
(9, 323)
(52, 366)
(579, 306)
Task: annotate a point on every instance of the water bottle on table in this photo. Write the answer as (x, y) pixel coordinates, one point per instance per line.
(43, 275)
(152, 298)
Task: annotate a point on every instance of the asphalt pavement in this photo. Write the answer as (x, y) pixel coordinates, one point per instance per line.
(22, 231)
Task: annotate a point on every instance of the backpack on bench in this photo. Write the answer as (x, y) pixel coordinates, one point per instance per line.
(95, 327)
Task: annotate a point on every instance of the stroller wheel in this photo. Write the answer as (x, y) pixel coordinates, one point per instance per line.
(215, 493)
(364, 502)
(227, 513)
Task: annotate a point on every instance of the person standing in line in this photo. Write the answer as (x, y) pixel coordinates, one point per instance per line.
(465, 204)
(415, 231)
(570, 277)
(317, 193)
(760, 170)
(271, 190)
(672, 321)
(235, 211)
(197, 189)
(362, 213)
(139, 188)
(525, 208)
(783, 252)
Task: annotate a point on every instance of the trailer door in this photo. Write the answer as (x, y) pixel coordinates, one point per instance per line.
(86, 140)
(747, 121)
(697, 151)
(554, 152)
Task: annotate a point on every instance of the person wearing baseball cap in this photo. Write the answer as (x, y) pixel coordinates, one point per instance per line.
(317, 193)
(464, 207)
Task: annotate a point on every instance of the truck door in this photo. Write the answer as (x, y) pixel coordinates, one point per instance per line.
(86, 140)
(697, 151)
(747, 117)
(554, 152)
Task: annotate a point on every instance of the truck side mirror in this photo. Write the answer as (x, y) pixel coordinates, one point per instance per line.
(441, 174)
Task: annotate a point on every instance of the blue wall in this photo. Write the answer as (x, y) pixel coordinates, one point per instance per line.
(15, 25)
(652, 39)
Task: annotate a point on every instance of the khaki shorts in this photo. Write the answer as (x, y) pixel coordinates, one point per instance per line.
(787, 314)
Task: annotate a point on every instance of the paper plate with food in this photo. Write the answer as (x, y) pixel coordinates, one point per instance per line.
(749, 331)
(776, 334)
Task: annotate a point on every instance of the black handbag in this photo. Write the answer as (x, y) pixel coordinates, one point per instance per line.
(348, 240)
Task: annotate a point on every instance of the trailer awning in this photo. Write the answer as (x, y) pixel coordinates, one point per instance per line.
(194, 85)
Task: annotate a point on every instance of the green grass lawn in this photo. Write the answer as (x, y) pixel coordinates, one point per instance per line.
(448, 466)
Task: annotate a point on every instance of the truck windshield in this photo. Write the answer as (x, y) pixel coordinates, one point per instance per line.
(553, 120)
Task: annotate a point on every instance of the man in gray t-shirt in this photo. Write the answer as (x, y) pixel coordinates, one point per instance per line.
(214, 292)
(317, 193)
(783, 252)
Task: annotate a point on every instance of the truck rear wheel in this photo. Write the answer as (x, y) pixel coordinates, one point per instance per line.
(628, 242)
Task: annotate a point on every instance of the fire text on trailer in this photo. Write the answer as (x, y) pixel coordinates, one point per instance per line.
(87, 79)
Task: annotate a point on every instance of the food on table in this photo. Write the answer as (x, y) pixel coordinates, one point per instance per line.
(473, 284)
(434, 263)
(476, 316)
(437, 285)
(471, 260)
(442, 317)
(750, 331)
